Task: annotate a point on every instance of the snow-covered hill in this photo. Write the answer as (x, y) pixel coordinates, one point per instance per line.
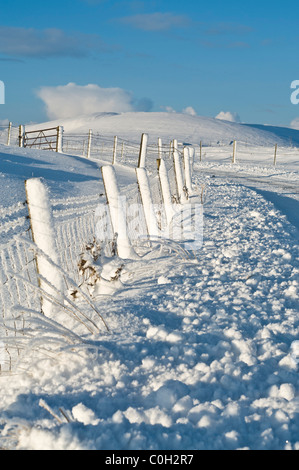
(191, 129)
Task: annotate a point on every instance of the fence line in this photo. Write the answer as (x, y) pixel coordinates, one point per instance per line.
(84, 231)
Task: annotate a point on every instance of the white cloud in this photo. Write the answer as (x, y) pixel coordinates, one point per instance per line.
(295, 123)
(74, 100)
(189, 110)
(168, 109)
(228, 116)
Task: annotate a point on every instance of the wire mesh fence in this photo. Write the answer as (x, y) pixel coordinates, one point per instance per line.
(81, 225)
(18, 279)
(9, 135)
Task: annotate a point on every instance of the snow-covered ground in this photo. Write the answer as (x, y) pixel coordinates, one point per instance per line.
(203, 350)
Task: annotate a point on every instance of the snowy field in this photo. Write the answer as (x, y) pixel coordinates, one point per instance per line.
(203, 350)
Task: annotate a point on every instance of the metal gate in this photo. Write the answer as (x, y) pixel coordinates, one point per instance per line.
(44, 139)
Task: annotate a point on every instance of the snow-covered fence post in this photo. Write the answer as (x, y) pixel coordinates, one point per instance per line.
(59, 142)
(178, 173)
(114, 150)
(149, 211)
(142, 152)
(89, 143)
(187, 167)
(234, 151)
(160, 148)
(275, 155)
(9, 133)
(191, 152)
(42, 226)
(21, 135)
(117, 209)
(166, 192)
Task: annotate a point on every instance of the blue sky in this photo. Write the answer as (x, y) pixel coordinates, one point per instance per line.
(156, 55)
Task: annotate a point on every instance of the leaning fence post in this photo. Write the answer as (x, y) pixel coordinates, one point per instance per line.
(275, 154)
(178, 173)
(187, 167)
(117, 209)
(9, 133)
(192, 152)
(89, 143)
(166, 191)
(43, 234)
(149, 212)
(142, 152)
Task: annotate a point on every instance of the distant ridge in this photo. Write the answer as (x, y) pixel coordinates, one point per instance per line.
(168, 126)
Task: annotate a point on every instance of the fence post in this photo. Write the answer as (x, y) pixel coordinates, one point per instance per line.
(192, 152)
(200, 151)
(21, 135)
(43, 234)
(166, 192)
(275, 154)
(178, 173)
(117, 208)
(149, 212)
(187, 166)
(59, 142)
(9, 133)
(89, 143)
(234, 151)
(142, 152)
(160, 148)
(114, 150)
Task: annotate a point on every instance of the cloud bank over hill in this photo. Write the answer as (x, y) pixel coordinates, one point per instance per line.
(71, 100)
(228, 116)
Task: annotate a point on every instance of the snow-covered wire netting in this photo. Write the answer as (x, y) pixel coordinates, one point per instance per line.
(9, 135)
(77, 223)
(18, 278)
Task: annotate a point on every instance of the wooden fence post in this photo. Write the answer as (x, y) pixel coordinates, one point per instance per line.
(187, 167)
(166, 192)
(149, 212)
(142, 152)
(114, 150)
(275, 154)
(117, 209)
(21, 135)
(89, 143)
(178, 173)
(43, 233)
(59, 142)
(234, 151)
(9, 133)
(159, 148)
